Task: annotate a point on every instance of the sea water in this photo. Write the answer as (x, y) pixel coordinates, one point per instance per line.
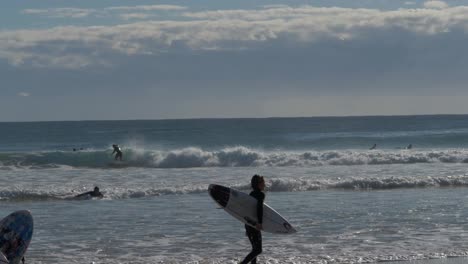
(348, 203)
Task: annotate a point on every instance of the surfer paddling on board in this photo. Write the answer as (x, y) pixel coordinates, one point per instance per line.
(118, 152)
(94, 193)
(254, 233)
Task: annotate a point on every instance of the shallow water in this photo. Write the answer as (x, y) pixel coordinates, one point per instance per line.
(333, 225)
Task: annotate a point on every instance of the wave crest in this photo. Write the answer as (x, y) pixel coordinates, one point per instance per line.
(273, 185)
(227, 157)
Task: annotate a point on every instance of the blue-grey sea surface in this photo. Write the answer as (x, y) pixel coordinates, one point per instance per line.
(349, 204)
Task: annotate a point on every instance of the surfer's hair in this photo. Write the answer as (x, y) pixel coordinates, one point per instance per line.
(256, 179)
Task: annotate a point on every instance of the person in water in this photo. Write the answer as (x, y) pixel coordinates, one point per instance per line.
(374, 146)
(118, 152)
(254, 233)
(94, 193)
(410, 146)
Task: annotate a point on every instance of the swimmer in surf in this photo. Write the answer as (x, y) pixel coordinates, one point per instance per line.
(118, 152)
(93, 193)
(254, 233)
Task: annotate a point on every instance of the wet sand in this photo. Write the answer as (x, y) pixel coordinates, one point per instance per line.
(431, 261)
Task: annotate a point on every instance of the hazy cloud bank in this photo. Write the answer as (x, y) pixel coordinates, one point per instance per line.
(78, 47)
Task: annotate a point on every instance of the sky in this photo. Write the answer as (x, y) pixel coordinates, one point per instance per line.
(140, 59)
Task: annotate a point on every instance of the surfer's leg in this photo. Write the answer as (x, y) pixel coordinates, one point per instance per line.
(257, 246)
(255, 238)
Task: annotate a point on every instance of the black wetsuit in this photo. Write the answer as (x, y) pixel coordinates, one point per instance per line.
(118, 151)
(254, 235)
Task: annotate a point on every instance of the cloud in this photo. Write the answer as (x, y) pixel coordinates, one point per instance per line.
(147, 8)
(71, 12)
(61, 12)
(131, 16)
(435, 4)
(23, 94)
(77, 47)
(410, 3)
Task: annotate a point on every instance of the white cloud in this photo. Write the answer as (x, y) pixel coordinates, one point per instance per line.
(224, 29)
(23, 94)
(71, 12)
(61, 12)
(132, 16)
(435, 4)
(147, 8)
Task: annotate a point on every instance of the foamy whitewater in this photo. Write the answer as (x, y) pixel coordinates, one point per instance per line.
(349, 204)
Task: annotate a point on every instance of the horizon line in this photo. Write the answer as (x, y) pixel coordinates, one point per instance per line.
(219, 118)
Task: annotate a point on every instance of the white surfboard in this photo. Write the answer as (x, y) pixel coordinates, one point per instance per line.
(3, 259)
(16, 232)
(243, 207)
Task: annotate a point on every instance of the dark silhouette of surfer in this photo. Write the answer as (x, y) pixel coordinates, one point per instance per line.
(373, 147)
(118, 152)
(410, 146)
(254, 233)
(93, 193)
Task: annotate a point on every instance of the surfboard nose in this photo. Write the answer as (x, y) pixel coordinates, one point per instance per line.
(219, 193)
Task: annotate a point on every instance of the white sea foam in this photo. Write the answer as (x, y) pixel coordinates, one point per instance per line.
(273, 185)
(228, 157)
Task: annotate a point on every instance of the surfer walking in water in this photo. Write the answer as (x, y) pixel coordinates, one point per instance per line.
(254, 233)
(118, 152)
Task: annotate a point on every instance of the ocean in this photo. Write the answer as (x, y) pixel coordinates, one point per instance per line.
(349, 204)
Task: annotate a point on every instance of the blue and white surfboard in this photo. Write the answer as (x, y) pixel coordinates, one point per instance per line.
(16, 232)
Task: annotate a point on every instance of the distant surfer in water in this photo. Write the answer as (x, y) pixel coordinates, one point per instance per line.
(373, 147)
(254, 233)
(93, 193)
(118, 152)
(410, 146)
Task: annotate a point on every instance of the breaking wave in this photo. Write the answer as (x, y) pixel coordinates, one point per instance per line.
(273, 185)
(227, 157)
